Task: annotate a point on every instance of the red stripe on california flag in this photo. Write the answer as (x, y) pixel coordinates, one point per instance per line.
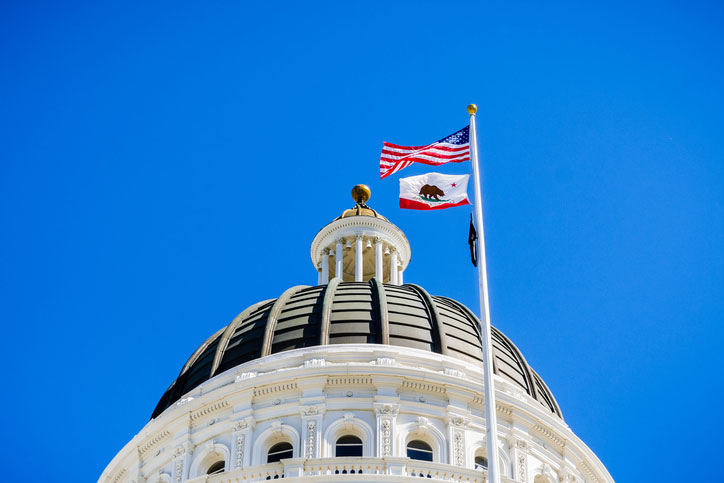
(419, 205)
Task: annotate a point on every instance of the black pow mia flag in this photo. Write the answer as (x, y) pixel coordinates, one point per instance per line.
(472, 238)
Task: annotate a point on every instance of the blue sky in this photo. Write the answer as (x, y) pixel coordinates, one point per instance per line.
(166, 164)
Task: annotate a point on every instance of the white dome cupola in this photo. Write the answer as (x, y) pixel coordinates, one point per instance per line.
(359, 245)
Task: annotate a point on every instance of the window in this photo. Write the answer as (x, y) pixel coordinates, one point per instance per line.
(279, 451)
(215, 468)
(419, 450)
(349, 446)
(481, 462)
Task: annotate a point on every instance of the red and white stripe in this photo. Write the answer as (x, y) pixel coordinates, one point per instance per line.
(395, 158)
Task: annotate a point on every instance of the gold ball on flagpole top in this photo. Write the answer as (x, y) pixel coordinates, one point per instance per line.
(472, 109)
(361, 193)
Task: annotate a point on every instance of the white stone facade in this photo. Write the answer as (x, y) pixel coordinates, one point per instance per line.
(384, 395)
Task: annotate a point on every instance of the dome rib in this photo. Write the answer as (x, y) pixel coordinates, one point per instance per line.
(326, 317)
(230, 329)
(526, 367)
(383, 320)
(440, 339)
(273, 317)
(547, 395)
(197, 353)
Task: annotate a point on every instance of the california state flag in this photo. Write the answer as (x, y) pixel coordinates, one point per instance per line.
(434, 191)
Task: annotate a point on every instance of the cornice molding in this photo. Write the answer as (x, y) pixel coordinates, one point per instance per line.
(208, 409)
(354, 226)
(549, 435)
(152, 441)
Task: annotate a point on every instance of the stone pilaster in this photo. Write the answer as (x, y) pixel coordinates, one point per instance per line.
(456, 425)
(311, 427)
(182, 461)
(241, 434)
(519, 454)
(386, 422)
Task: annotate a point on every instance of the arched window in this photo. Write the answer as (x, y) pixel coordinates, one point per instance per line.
(215, 468)
(419, 450)
(481, 462)
(349, 446)
(278, 452)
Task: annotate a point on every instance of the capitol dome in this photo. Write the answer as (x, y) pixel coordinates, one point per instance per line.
(354, 313)
(359, 378)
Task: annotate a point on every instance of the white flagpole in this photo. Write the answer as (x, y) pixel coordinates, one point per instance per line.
(485, 339)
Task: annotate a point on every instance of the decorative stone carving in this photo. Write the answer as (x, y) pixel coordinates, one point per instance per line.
(316, 362)
(459, 448)
(183, 401)
(240, 425)
(309, 410)
(240, 441)
(457, 421)
(454, 373)
(179, 451)
(386, 361)
(386, 437)
(311, 438)
(565, 476)
(179, 470)
(522, 468)
(246, 375)
(387, 409)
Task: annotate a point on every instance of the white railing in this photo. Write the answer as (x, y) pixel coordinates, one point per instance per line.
(349, 469)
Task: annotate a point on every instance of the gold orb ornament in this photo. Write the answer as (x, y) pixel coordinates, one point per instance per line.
(472, 109)
(361, 193)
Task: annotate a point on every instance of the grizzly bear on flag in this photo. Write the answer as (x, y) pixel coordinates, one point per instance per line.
(431, 192)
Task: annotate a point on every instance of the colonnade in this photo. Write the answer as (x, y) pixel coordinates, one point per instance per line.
(358, 244)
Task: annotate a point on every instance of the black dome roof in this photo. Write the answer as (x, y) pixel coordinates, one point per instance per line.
(354, 313)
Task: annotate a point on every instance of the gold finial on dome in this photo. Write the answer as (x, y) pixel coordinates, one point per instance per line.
(472, 108)
(361, 193)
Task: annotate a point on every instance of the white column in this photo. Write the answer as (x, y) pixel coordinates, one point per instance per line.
(358, 259)
(338, 260)
(399, 276)
(325, 266)
(378, 260)
(319, 276)
(393, 268)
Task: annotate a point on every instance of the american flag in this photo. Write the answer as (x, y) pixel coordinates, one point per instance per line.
(454, 148)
